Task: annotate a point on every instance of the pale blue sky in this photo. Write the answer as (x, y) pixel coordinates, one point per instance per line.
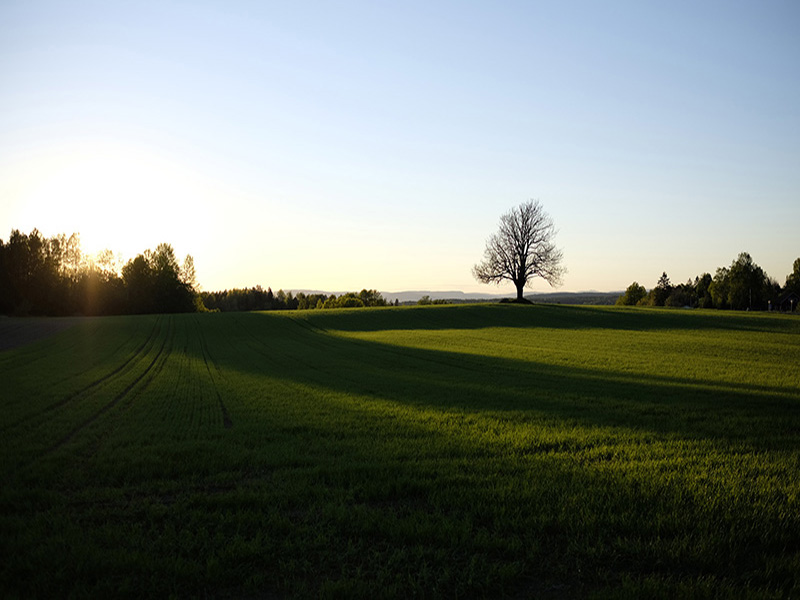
(348, 145)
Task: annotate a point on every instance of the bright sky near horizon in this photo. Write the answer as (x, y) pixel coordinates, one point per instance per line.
(349, 145)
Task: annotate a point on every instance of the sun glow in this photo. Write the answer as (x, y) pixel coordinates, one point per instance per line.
(122, 198)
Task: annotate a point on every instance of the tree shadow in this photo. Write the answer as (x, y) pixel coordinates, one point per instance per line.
(294, 351)
(318, 485)
(470, 316)
(616, 524)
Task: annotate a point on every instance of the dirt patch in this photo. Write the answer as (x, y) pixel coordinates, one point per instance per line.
(16, 332)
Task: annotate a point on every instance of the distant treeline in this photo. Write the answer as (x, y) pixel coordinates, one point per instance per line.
(742, 286)
(256, 298)
(51, 276)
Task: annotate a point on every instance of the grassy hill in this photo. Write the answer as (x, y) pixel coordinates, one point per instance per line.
(439, 451)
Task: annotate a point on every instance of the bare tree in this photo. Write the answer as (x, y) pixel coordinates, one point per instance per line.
(523, 248)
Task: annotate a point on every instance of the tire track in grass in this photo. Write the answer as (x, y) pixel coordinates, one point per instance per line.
(152, 369)
(134, 357)
(142, 349)
(226, 418)
(169, 347)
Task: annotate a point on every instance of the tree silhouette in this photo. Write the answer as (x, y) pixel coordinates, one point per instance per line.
(522, 248)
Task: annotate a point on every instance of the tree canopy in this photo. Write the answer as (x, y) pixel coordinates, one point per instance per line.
(741, 286)
(793, 279)
(51, 276)
(257, 298)
(523, 248)
(633, 295)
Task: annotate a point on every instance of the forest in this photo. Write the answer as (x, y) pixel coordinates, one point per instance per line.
(52, 276)
(742, 286)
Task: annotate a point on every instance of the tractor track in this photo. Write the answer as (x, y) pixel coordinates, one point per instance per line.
(226, 418)
(151, 371)
(143, 348)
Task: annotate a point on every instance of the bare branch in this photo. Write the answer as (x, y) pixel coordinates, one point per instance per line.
(522, 249)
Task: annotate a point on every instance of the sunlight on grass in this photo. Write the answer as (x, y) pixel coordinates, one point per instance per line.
(477, 451)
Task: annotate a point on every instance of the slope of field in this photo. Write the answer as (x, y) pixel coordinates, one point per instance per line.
(442, 451)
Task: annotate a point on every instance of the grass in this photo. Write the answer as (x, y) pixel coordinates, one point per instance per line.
(443, 451)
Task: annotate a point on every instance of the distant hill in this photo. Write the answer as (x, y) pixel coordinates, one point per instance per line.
(411, 296)
(591, 297)
(594, 298)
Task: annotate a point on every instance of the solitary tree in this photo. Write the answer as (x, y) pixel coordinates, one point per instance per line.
(522, 248)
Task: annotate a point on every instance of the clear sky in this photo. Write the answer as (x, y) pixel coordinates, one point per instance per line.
(344, 145)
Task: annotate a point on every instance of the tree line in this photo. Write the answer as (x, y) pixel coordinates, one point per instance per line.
(52, 276)
(256, 298)
(742, 286)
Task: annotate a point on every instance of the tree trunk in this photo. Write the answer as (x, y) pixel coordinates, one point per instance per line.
(520, 285)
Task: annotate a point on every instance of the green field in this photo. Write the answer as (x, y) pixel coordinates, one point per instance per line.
(443, 451)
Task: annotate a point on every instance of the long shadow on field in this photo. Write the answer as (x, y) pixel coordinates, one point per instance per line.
(563, 513)
(307, 490)
(288, 350)
(551, 316)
